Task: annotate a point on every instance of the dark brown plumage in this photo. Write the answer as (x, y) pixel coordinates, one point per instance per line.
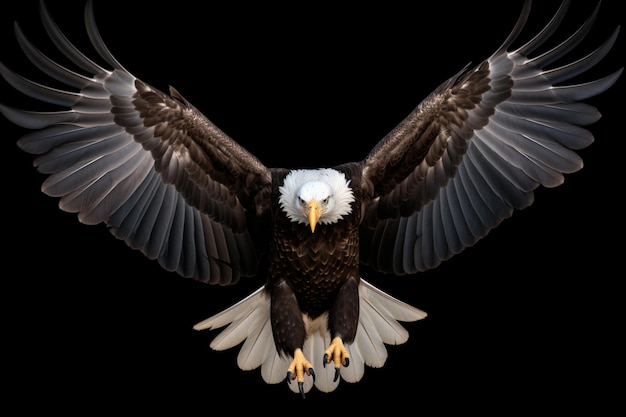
(171, 184)
(320, 269)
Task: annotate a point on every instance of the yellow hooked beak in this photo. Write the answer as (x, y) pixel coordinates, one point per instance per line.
(314, 214)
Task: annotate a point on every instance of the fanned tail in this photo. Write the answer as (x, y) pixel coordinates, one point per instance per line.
(248, 323)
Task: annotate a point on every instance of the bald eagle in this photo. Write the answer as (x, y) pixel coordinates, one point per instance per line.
(171, 184)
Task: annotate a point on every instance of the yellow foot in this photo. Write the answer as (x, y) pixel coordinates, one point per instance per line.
(298, 367)
(338, 354)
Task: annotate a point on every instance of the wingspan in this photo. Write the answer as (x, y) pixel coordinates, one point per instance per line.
(149, 165)
(474, 150)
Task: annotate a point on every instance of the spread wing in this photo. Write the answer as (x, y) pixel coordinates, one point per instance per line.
(475, 149)
(149, 165)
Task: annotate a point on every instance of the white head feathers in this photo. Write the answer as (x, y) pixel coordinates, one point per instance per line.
(326, 186)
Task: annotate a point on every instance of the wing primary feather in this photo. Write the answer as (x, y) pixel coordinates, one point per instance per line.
(171, 250)
(89, 147)
(96, 39)
(544, 34)
(579, 92)
(476, 204)
(36, 119)
(400, 239)
(85, 171)
(458, 216)
(426, 237)
(496, 208)
(159, 233)
(388, 239)
(65, 46)
(497, 183)
(150, 210)
(39, 91)
(498, 155)
(451, 242)
(440, 244)
(567, 45)
(471, 205)
(42, 141)
(517, 29)
(126, 181)
(201, 239)
(573, 113)
(125, 221)
(50, 67)
(185, 244)
(565, 72)
(408, 226)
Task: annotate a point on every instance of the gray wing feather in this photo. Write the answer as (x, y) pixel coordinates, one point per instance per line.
(138, 173)
(522, 132)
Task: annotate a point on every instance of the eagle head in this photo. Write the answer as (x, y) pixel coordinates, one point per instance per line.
(312, 196)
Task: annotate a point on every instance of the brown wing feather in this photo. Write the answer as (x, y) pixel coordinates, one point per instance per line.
(395, 171)
(150, 166)
(476, 148)
(212, 172)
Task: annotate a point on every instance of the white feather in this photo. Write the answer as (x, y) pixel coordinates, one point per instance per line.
(248, 321)
(356, 370)
(274, 367)
(297, 186)
(318, 339)
(371, 347)
(230, 314)
(250, 356)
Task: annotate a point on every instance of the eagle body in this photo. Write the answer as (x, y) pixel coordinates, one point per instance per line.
(313, 273)
(171, 184)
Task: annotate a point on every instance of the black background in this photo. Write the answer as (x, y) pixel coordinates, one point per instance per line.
(529, 319)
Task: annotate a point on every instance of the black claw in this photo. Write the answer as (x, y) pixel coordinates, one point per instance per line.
(301, 388)
(347, 362)
(336, 375)
(289, 377)
(325, 359)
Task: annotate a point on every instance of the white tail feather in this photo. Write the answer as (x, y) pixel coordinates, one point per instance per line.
(355, 371)
(248, 321)
(274, 367)
(372, 350)
(250, 356)
(313, 350)
(233, 312)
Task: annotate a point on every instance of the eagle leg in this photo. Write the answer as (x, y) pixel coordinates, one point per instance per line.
(298, 367)
(338, 353)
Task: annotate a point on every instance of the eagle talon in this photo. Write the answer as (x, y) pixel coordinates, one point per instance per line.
(298, 368)
(338, 354)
